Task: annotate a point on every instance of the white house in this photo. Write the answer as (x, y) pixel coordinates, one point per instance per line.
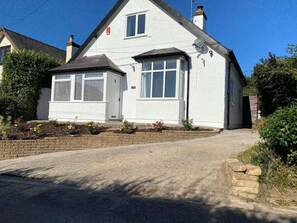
(146, 62)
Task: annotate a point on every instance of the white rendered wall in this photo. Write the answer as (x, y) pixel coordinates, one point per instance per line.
(84, 111)
(207, 90)
(150, 111)
(4, 42)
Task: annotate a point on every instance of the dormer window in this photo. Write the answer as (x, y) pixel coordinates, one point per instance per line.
(136, 25)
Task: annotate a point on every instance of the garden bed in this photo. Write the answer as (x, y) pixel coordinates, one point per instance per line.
(38, 130)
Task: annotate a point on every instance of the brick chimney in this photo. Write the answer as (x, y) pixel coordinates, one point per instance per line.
(200, 18)
(71, 48)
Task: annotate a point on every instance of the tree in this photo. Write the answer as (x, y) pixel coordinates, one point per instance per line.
(276, 82)
(25, 73)
(250, 89)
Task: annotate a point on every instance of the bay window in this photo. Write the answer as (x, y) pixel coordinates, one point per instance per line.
(83, 87)
(158, 79)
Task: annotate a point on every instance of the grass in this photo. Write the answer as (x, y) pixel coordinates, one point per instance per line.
(276, 176)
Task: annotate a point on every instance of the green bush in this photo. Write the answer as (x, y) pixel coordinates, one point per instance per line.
(4, 127)
(25, 73)
(10, 107)
(274, 172)
(187, 124)
(276, 82)
(127, 127)
(280, 133)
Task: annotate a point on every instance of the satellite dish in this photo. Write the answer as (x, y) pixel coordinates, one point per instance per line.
(200, 45)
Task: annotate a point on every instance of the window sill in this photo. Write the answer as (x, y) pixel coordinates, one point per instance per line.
(135, 37)
(79, 102)
(159, 99)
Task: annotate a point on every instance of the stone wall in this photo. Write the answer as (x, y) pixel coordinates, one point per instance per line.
(244, 179)
(22, 148)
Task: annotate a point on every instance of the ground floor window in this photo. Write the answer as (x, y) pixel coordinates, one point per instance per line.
(83, 87)
(158, 79)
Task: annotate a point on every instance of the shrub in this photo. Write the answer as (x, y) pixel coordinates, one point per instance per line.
(159, 126)
(259, 124)
(25, 73)
(19, 124)
(54, 123)
(10, 107)
(276, 82)
(91, 128)
(188, 124)
(4, 127)
(274, 172)
(127, 127)
(37, 130)
(280, 133)
(71, 129)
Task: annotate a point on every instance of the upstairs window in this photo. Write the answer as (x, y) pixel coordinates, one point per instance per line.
(3, 51)
(158, 79)
(135, 25)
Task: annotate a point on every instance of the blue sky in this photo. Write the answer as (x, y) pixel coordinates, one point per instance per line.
(252, 28)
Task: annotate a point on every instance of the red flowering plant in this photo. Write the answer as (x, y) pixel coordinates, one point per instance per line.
(159, 126)
(19, 124)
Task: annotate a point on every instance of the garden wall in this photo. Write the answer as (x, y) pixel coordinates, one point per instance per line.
(11, 149)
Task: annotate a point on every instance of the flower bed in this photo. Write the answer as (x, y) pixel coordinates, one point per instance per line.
(35, 130)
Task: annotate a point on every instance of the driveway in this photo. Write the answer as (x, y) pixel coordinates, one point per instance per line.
(165, 182)
(186, 169)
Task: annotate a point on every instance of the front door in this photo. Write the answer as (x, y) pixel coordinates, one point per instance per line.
(114, 86)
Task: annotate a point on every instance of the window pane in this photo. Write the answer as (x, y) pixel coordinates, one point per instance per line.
(159, 65)
(141, 24)
(146, 85)
(62, 77)
(146, 66)
(170, 84)
(93, 90)
(158, 84)
(93, 75)
(131, 22)
(171, 64)
(78, 87)
(62, 91)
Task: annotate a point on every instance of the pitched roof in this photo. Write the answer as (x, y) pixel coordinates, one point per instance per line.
(98, 62)
(20, 41)
(179, 18)
(161, 53)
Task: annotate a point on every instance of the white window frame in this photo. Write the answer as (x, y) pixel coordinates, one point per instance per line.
(164, 70)
(136, 25)
(72, 80)
(59, 78)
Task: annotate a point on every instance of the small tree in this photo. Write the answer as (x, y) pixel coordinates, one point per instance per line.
(25, 73)
(276, 82)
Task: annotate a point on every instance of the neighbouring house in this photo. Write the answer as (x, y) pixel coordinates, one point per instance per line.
(146, 62)
(10, 40)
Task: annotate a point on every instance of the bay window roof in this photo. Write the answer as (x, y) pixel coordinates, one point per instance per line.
(165, 52)
(98, 62)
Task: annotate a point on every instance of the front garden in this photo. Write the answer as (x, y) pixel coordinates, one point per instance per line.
(21, 130)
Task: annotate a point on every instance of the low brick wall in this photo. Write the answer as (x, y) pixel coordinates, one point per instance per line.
(244, 179)
(11, 149)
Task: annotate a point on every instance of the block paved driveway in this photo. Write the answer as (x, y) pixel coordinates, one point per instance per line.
(165, 182)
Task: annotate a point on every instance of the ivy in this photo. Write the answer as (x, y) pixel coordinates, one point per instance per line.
(25, 73)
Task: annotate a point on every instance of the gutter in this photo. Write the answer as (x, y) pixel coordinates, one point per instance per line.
(188, 90)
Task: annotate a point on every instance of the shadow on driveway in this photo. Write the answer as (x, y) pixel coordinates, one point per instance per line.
(29, 200)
